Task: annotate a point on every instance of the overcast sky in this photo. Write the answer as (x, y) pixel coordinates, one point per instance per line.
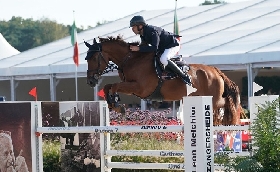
(87, 12)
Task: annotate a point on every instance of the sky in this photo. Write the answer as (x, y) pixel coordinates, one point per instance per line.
(87, 12)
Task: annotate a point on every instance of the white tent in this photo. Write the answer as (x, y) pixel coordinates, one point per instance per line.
(233, 36)
(6, 49)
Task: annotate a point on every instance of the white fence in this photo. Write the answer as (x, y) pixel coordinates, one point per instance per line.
(198, 130)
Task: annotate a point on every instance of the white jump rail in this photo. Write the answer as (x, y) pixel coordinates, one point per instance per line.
(133, 165)
(112, 129)
(163, 153)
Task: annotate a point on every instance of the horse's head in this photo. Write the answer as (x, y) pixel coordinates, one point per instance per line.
(96, 62)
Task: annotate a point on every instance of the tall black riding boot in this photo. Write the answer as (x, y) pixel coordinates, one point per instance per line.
(171, 65)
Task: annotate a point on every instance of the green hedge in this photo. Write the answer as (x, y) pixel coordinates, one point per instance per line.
(51, 156)
(266, 146)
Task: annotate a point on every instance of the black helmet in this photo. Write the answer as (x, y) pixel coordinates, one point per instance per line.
(137, 20)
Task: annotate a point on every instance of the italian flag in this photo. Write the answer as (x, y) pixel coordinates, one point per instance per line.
(74, 42)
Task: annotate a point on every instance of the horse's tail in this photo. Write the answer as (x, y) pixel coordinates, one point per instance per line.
(232, 95)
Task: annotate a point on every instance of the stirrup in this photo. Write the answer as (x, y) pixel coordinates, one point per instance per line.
(187, 80)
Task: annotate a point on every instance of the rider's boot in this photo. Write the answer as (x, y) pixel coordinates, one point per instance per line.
(185, 77)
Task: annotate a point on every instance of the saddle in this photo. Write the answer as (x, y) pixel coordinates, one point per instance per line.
(167, 74)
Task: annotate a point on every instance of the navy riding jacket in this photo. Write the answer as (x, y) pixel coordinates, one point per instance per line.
(158, 38)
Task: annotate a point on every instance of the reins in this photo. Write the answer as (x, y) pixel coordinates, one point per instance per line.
(127, 56)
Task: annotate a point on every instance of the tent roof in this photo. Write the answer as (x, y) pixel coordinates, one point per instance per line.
(6, 49)
(225, 35)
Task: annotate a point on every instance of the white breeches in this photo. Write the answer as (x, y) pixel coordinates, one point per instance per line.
(168, 54)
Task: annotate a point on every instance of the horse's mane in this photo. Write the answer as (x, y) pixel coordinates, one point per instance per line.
(119, 39)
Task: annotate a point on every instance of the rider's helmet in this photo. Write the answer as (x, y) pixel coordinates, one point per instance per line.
(137, 20)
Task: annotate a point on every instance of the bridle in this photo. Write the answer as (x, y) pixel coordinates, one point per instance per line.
(97, 72)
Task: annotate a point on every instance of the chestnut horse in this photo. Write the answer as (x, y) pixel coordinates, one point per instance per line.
(139, 77)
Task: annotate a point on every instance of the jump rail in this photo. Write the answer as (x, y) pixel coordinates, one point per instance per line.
(112, 129)
(198, 138)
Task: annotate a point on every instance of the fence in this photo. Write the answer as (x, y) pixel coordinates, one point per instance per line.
(198, 130)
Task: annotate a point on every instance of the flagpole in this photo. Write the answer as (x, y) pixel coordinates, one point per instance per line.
(76, 82)
(175, 32)
(76, 71)
(175, 18)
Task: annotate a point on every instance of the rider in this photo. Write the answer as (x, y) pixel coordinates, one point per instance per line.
(160, 41)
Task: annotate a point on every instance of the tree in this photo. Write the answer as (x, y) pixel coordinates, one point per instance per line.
(101, 22)
(50, 31)
(24, 34)
(206, 2)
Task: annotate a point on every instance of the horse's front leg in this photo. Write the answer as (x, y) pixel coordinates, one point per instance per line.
(122, 87)
(106, 90)
(127, 88)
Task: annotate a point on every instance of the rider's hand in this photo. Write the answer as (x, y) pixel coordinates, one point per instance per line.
(134, 48)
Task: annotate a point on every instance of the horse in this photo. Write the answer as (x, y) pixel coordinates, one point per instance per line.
(139, 77)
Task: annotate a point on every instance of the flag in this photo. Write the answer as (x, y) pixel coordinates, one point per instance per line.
(74, 42)
(33, 92)
(101, 93)
(176, 25)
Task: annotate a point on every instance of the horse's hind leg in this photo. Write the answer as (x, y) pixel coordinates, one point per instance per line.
(233, 113)
(199, 84)
(227, 120)
(203, 88)
(217, 118)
